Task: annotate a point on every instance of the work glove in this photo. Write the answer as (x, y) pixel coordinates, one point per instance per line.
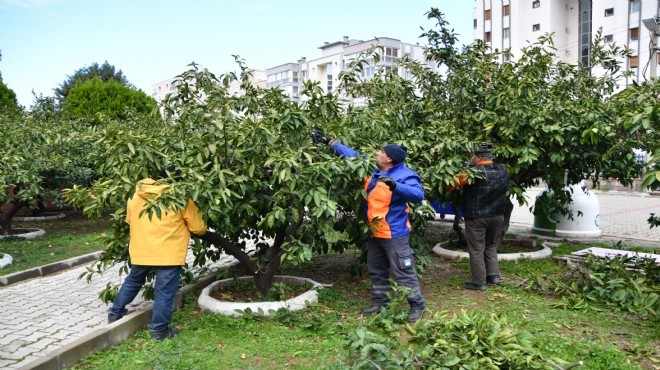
(388, 181)
(320, 137)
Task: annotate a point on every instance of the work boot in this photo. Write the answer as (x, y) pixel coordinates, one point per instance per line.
(416, 313)
(472, 286)
(373, 309)
(167, 334)
(112, 318)
(493, 280)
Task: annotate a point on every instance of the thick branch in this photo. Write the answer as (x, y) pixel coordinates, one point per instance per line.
(231, 249)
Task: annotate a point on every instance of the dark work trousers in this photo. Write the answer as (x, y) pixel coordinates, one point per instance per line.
(482, 239)
(395, 257)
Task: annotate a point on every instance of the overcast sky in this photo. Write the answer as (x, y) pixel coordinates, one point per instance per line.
(44, 41)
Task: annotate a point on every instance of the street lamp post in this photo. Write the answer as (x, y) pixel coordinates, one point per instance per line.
(653, 25)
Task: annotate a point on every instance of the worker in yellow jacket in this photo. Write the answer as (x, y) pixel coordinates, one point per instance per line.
(158, 244)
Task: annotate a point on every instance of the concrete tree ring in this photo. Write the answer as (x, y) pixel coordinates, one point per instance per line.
(27, 233)
(208, 303)
(441, 250)
(5, 261)
(43, 217)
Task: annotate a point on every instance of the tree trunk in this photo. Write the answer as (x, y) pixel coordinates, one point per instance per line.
(263, 281)
(264, 273)
(5, 221)
(507, 221)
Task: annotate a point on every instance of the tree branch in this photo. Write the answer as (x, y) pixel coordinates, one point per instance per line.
(231, 249)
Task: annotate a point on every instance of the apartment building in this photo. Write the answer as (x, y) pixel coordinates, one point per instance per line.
(513, 24)
(161, 89)
(336, 57)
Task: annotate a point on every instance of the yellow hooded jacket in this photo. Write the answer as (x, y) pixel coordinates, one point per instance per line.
(164, 241)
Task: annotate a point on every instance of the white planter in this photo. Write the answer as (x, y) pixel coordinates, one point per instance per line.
(545, 252)
(5, 261)
(26, 233)
(585, 209)
(208, 303)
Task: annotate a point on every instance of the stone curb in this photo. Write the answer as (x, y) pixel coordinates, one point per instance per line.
(48, 269)
(55, 216)
(113, 334)
(545, 252)
(208, 303)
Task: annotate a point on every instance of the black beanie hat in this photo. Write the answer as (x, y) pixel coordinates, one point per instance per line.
(396, 152)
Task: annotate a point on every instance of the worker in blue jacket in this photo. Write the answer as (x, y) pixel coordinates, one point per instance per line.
(389, 190)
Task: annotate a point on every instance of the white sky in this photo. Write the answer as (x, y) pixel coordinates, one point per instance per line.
(44, 41)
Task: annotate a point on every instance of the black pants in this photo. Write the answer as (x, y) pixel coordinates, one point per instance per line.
(395, 257)
(483, 239)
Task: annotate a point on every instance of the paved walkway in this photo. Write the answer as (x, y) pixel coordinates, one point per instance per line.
(623, 216)
(40, 315)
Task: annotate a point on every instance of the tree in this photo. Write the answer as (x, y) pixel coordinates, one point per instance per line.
(36, 160)
(250, 165)
(541, 114)
(106, 72)
(8, 102)
(637, 126)
(94, 97)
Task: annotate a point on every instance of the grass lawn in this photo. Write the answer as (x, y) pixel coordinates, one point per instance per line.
(65, 238)
(320, 337)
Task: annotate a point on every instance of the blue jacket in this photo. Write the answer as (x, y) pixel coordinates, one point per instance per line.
(387, 211)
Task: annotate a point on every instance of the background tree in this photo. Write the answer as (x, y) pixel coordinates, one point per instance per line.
(94, 97)
(106, 72)
(36, 160)
(8, 100)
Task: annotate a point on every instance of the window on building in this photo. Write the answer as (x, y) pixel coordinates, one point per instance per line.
(608, 38)
(633, 61)
(506, 9)
(487, 14)
(506, 33)
(609, 12)
(536, 4)
(536, 27)
(634, 34)
(584, 30)
(391, 54)
(474, 23)
(635, 5)
(487, 37)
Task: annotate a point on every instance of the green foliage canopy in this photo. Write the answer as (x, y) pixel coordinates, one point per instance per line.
(35, 161)
(8, 102)
(112, 99)
(106, 72)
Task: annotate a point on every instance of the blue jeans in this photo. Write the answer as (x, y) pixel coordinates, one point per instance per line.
(167, 283)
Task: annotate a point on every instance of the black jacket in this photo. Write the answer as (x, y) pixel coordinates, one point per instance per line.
(486, 197)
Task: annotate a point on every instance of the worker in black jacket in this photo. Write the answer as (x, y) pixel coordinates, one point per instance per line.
(484, 205)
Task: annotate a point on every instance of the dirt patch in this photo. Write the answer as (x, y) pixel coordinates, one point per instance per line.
(507, 246)
(243, 291)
